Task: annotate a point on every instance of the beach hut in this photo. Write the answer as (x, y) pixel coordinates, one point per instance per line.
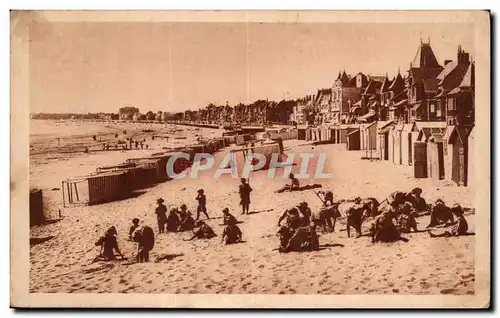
(140, 175)
(301, 133)
(37, 216)
(343, 131)
(407, 139)
(293, 133)
(471, 177)
(456, 154)
(383, 130)
(395, 150)
(419, 159)
(97, 188)
(238, 156)
(368, 135)
(353, 140)
(435, 152)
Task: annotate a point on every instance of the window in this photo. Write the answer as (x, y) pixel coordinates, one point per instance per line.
(432, 108)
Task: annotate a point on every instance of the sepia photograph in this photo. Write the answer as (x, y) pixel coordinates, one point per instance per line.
(250, 159)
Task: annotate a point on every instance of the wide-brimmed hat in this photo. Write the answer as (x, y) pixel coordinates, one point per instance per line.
(416, 191)
(439, 201)
(303, 203)
(112, 230)
(200, 190)
(225, 210)
(160, 200)
(183, 207)
(135, 220)
(243, 180)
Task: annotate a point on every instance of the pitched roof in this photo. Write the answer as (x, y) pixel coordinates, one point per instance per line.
(397, 83)
(385, 85)
(372, 88)
(448, 68)
(469, 78)
(344, 78)
(425, 57)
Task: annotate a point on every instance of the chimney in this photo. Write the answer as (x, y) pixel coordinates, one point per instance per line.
(446, 62)
(462, 56)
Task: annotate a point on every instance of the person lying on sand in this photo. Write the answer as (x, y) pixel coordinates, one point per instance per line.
(202, 231)
(145, 238)
(459, 228)
(440, 214)
(294, 184)
(231, 234)
(135, 225)
(228, 218)
(108, 244)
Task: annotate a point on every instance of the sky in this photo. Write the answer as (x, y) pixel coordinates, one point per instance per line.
(86, 67)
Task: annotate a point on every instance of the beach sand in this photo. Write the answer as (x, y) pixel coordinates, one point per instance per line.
(342, 266)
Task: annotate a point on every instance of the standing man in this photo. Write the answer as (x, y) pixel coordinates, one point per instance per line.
(244, 191)
(161, 215)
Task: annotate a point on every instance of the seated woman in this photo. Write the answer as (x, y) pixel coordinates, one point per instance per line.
(172, 221)
(231, 234)
(293, 186)
(459, 228)
(202, 231)
(186, 222)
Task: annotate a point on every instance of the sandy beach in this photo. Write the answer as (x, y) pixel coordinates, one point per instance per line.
(342, 266)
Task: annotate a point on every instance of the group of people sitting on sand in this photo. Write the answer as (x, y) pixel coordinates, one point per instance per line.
(178, 220)
(391, 218)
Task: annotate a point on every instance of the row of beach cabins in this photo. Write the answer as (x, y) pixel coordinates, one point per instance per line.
(433, 149)
(122, 181)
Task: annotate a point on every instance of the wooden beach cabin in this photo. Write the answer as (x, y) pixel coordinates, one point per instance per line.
(97, 188)
(140, 175)
(419, 159)
(301, 133)
(471, 153)
(435, 151)
(353, 140)
(396, 149)
(383, 130)
(407, 139)
(456, 154)
(37, 215)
